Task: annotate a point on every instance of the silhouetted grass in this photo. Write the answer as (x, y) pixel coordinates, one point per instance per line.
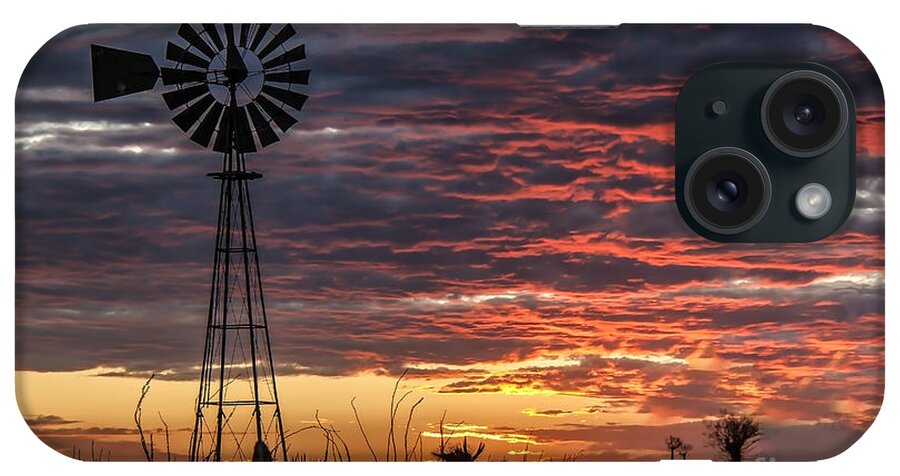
(335, 446)
(95, 456)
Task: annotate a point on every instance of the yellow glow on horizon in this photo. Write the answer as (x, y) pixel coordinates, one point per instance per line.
(90, 400)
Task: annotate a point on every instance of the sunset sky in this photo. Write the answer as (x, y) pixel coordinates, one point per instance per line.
(489, 207)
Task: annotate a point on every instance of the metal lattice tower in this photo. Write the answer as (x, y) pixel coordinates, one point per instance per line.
(237, 342)
(224, 92)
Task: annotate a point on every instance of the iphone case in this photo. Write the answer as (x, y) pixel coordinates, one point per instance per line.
(468, 249)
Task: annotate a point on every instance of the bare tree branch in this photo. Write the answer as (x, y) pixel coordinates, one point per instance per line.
(412, 409)
(392, 413)
(362, 430)
(166, 426)
(148, 452)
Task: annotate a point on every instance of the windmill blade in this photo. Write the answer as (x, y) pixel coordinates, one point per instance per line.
(223, 135)
(207, 126)
(283, 120)
(245, 30)
(191, 114)
(229, 34)
(213, 34)
(295, 54)
(119, 72)
(180, 76)
(194, 39)
(181, 55)
(260, 33)
(291, 77)
(291, 98)
(264, 131)
(243, 133)
(285, 34)
(180, 97)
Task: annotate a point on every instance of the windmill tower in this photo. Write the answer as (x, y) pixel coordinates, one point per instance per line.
(228, 85)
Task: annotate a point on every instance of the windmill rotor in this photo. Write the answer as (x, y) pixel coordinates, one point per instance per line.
(249, 76)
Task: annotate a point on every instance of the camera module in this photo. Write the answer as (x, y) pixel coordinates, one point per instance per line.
(804, 113)
(765, 152)
(727, 190)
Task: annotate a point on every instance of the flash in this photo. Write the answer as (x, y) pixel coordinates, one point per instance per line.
(813, 201)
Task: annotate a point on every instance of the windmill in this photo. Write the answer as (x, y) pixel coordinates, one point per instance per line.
(227, 85)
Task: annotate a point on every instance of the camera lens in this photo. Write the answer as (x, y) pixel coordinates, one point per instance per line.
(727, 190)
(804, 113)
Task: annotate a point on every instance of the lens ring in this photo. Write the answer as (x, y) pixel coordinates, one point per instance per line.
(706, 167)
(839, 126)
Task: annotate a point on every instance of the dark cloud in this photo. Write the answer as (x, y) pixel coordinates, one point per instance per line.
(89, 431)
(48, 420)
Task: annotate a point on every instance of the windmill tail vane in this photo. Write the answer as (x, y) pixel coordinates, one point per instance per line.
(230, 87)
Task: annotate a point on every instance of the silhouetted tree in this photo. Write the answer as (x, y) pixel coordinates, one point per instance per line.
(733, 436)
(673, 444)
(684, 450)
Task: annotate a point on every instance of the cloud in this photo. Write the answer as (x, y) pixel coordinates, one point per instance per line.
(48, 420)
(87, 431)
